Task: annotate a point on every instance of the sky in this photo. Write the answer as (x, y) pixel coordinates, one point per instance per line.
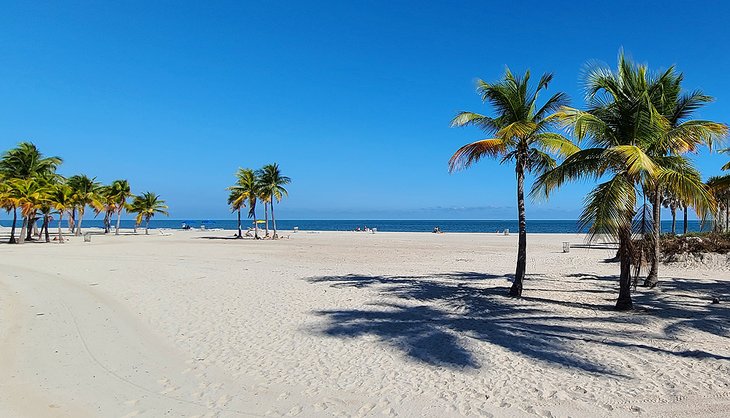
(352, 99)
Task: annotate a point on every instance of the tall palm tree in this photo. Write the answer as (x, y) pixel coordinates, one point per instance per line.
(121, 191)
(87, 192)
(61, 198)
(273, 182)
(681, 135)
(247, 188)
(519, 133)
(25, 162)
(147, 205)
(622, 123)
(670, 202)
(237, 201)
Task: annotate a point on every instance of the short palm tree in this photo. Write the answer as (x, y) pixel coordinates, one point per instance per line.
(622, 123)
(87, 192)
(25, 162)
(61, 198)
(273, 182)
(520, 132)
(29, 196)
(147, 205)
(120, 192)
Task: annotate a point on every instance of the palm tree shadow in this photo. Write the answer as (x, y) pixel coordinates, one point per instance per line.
(437, 320)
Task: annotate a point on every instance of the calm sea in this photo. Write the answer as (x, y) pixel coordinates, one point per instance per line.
(536, 226)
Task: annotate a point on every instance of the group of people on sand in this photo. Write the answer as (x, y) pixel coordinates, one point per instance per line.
(363, 229)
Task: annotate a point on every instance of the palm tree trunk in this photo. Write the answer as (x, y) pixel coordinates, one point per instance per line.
(674, 221)
(72, 221)
(727, 214)
(12, 229)
(624, 302)
(23, 229)
(516, 289)
(60, 232)
(684, 226)
(239, 224)
(78, 224)
(273, 220)
(266, 217)
(255, 225)
(653, 277)
(46, 221)
(147, 226)
(31, 227)
(119, 221)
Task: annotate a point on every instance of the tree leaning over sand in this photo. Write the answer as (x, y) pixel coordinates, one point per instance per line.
(519, 133)
(622, 123)
(273, 182)
(146, 206)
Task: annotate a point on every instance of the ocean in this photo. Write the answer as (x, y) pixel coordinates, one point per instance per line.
(534, 226)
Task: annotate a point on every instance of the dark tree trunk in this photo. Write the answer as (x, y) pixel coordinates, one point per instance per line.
(624, 302)
(12, 229)
(266, 217)
(727, 215)
(239, 224)
(516, 289)
(684, 226)
(653, 277)
(674, 220)
(273, 220)
(31, 225)
(44, 228)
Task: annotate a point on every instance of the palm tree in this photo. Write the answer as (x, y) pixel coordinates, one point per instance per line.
(147, 205)
(247, 188)
(120, 192)
(672, 203)
(61, 198)
(519, 133)
(28, 194)
(236, 200)
(622, 123)
(681, 135)
(87, 192)
(273, 182)
(25, 162)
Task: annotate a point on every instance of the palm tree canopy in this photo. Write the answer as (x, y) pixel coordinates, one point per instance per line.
(520, 129)
(147, 205)
(272, 182)
(26, 161)
(247, 187)
(86, 190)
(633, 142)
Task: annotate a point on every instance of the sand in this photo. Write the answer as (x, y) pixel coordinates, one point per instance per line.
(352, 324)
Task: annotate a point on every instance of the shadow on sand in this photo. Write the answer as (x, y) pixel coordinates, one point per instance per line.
(432, 318)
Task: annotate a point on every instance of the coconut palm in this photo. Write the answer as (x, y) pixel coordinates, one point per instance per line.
(247, 188)
(25, 162)
(147, 205)
(681, 135)
(670, 202)
(87, 192)
(120, 192)
(272, 183)
(622, 123)
(518, 133)
(236, 200)
(29, 196)
(61, 198)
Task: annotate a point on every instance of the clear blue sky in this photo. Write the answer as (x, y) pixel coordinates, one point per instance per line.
(352, 99)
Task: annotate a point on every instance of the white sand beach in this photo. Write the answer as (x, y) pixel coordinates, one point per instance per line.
(352, 324)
